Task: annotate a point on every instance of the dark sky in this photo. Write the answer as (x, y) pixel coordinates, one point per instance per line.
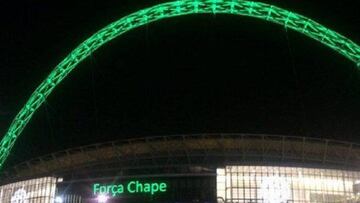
(192, 74)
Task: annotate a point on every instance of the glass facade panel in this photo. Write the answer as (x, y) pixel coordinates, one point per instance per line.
(40, 190)
(269, 184)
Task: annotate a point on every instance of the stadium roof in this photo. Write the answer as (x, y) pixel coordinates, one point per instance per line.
(208, 150)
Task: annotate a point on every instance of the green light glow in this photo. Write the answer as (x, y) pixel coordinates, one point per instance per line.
(132, 187)
(259, 10)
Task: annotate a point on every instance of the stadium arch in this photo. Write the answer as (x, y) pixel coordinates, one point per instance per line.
(259, 10)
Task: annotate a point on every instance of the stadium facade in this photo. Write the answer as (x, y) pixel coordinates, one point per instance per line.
(210, 168)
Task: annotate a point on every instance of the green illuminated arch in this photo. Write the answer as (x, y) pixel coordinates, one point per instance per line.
(259, 10)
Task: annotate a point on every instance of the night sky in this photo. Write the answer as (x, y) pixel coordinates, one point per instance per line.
(191, 74)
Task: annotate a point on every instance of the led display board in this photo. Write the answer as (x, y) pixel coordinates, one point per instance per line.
(130, 187)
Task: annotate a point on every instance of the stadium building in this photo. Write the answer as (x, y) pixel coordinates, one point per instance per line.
(201, 168)
(191, 168)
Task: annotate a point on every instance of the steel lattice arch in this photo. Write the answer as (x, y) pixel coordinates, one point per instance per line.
(258, 10)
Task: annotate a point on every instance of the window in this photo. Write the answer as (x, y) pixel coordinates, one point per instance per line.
(268, 184)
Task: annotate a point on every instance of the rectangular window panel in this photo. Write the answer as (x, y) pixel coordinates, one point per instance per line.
(268, 184)
(29, 191)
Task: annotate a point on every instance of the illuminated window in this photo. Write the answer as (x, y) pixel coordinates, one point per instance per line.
(29, 191)
(250, 184)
